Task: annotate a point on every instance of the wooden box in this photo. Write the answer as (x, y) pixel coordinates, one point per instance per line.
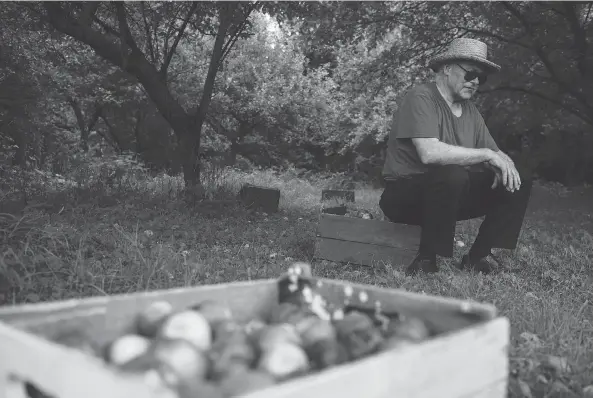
(365, 242)
(468, 359)
(256, 197)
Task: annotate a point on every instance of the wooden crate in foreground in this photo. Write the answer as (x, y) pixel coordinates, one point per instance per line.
(365, 242)
(467, 360)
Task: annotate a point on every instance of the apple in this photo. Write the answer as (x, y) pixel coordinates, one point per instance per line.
(284, 360)
(412, 329)
(313, 329)
(357, 332)
(283, 333)
(150, 318)
(190, 326)
(234, 350)
(127, 347)
(178, 361)
(326, 353)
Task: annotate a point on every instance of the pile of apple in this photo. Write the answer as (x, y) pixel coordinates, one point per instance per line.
(203, 351)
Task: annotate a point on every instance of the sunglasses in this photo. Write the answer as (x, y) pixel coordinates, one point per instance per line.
(472, 74)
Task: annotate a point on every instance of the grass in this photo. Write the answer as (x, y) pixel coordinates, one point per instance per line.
(153, 239)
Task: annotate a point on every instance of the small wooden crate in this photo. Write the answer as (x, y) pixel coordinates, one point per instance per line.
(469, 359)
(365, 242)
(256, 197)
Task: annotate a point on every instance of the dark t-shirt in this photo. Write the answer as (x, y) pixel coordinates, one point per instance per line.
(424, 113)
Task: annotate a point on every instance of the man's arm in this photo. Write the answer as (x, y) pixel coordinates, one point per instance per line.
(433, 151)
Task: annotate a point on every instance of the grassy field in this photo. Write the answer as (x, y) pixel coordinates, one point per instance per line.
(149, 238)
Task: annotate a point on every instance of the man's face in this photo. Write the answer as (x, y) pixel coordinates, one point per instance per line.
(456, 78)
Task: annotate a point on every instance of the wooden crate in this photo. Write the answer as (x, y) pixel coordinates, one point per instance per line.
(256, 197)
(365, 242)
(345, 195)
(469, 359)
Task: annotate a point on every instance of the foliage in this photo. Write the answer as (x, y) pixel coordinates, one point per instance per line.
(307, 84)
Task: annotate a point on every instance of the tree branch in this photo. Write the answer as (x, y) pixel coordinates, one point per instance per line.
(145, 72)
(235, 36)
(580, 39)
(108, 29)
(113, 141)
(223, 25)
(147, 33)
(88, 12)
(494, 35)
(581, 115)
(539, 50)
(180, 32)
(587, 15)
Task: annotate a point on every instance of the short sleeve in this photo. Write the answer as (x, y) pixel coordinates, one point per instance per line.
(483, 137)
(417, 117)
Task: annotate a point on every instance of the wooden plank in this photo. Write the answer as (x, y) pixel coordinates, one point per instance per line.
(258, 197)
(375, 232)
(329, 194)
(22, 312)
(60, 371)
(361, 253)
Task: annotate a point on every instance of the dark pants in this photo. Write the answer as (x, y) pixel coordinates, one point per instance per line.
(437, 199)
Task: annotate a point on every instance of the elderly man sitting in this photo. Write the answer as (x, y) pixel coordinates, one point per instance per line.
(442, 165)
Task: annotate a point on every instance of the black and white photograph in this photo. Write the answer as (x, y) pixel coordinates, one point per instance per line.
(296, 199)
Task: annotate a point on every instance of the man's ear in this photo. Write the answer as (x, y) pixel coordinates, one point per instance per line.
(446, 69)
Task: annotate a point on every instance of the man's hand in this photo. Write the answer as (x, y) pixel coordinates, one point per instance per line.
(506, 157)
(509, 176)
(497, 175)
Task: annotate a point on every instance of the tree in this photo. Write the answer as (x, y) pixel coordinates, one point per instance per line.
(142, 39)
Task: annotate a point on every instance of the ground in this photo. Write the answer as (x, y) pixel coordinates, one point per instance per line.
(152, 239)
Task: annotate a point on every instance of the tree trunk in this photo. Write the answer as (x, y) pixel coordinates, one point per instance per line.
(139, 118)
(191, 162)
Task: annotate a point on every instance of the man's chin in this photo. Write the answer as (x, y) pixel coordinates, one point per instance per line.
(466, 94)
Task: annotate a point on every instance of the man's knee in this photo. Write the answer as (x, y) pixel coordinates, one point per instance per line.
(453, 176)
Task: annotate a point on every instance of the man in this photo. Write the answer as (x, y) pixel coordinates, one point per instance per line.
(442, 165)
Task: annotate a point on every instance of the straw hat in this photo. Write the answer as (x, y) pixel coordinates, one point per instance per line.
(465, 50)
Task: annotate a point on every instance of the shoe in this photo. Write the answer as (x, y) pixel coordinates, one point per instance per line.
(484, 265)
(422, 263)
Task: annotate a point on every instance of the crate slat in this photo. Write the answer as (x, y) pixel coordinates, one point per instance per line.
(59, 371)
(361, 253)
(374, 232)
